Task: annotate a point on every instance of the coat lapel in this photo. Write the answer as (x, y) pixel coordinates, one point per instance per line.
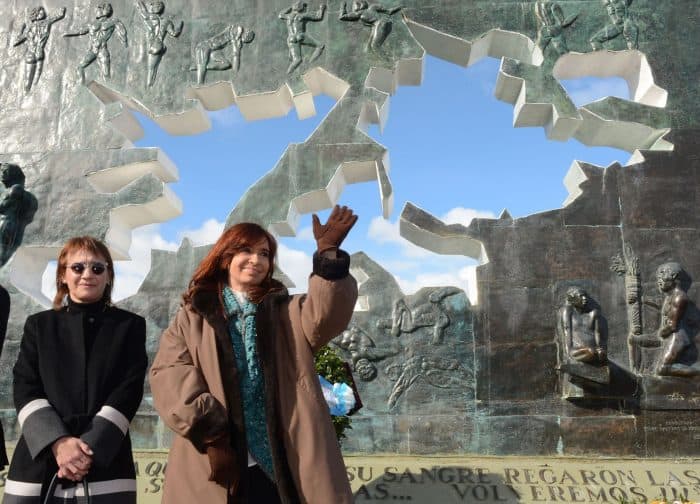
(267, 334)
(206, 304)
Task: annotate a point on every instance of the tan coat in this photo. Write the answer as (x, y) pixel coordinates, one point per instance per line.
(195, 390)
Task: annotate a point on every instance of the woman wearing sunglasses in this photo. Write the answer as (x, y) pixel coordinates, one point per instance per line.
(234, 375)
(77, 383)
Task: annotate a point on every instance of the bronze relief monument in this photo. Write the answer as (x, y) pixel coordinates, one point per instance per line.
(595, 339)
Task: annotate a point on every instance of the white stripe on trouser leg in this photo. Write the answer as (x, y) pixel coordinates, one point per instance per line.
(31, 407)
(115, 416)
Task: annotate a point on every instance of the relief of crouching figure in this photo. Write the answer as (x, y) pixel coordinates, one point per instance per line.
(580, 325)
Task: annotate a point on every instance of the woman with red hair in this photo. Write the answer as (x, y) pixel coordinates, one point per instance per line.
(234, 375)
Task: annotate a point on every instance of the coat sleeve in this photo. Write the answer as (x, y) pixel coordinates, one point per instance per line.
(106, 432)
(40, 423)
(327, 308)
(180, 392)
(4, 313)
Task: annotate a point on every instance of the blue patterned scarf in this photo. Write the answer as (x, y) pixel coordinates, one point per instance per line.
(241, 328)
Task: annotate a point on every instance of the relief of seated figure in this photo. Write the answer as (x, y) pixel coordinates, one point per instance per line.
(581, 329)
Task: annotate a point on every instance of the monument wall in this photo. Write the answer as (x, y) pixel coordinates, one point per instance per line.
(585, 338)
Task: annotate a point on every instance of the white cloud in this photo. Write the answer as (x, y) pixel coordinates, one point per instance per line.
(441, 272)
(207, 233)
(412, 266)
(464, 278)
(415, 267)
(385, 232)
(129, 275)
(464, 216)
(296, 264)
(306, 234)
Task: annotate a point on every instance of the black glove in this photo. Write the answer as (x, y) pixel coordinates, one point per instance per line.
(224, 467)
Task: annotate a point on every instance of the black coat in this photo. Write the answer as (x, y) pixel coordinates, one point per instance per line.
(78, 373)
(4, 315)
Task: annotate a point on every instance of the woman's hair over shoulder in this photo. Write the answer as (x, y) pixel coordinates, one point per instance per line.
(92, 245)
(212, 273)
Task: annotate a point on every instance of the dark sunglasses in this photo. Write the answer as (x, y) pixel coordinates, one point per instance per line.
(96, 267)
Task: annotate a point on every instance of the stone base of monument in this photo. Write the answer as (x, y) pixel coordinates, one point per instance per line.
(585, 381)
(587, 372)
(580, 380)
(450, 479)
(670, 393)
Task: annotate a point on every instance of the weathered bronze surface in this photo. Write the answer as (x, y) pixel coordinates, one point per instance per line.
(17, 209)
(439, 374)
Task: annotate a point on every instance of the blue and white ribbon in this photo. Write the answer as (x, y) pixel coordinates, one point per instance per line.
(338, 396)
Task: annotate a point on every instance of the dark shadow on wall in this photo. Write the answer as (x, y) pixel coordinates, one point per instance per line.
(437, 484)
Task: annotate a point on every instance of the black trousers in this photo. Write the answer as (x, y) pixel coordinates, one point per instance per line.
(261, 489)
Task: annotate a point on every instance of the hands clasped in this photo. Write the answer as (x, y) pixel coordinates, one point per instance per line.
(73, 456)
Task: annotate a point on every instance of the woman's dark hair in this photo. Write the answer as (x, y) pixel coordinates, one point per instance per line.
(89, 244)
(212, 273)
